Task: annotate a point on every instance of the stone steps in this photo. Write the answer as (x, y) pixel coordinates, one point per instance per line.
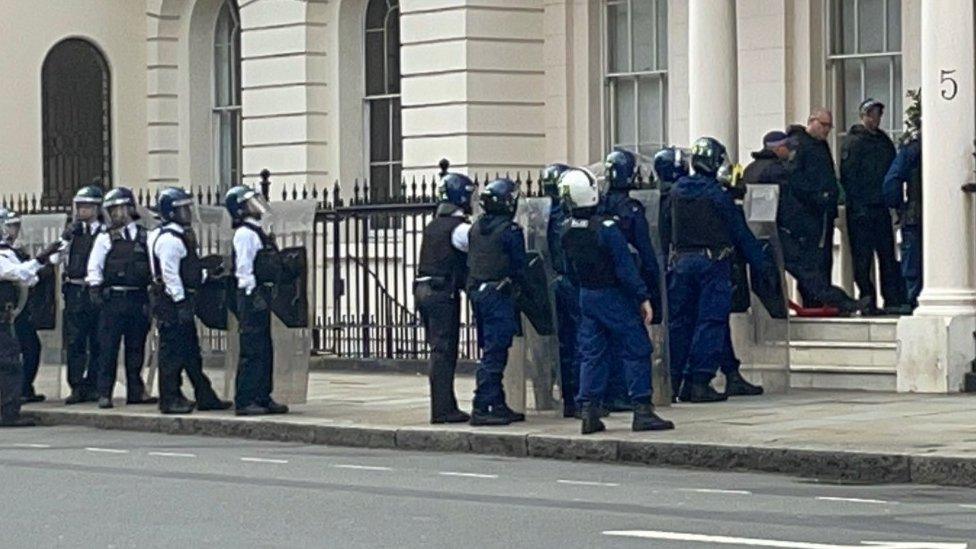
(843, 353)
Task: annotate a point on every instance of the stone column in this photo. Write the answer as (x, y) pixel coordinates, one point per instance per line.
(712, 70)
(936, 345)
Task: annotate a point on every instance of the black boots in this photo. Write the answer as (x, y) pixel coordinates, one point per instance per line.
(590, 414)
(180, 405)
(646, 420)
(454, 416)
(489, 416)
(702, 391)
(736, 385)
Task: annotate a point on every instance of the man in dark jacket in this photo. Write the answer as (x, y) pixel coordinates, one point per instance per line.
(813, 186)
(903, 193)
(865, 158)
(773, 165)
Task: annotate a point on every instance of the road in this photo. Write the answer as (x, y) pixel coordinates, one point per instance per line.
(76, 487)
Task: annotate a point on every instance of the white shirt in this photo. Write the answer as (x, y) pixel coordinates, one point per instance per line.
(100, 249)
(11, 269)
(171, 251)
(459, 236)
(247, 244)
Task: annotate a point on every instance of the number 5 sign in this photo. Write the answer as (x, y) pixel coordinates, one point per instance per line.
(950, 88)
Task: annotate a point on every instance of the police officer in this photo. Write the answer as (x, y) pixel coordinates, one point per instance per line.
(177, 274)
(903, 193)
(257, 266)
(441, 274)
(705, 229)
(565, 290)
(15, 276)
(613, 301)
(118, 278)
(24, 328)
(621, 175)
(80, 316)
(496, 269)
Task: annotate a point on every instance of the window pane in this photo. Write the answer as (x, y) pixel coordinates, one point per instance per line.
(379, 182)
(375, 14)
(896, 110)
(393, 53)
(650, 108)
(871, 20)
(397, 137)
(644, 42)
(852, 93)
(618, 49)
(374, 64)
(662, 34)
(894, 25)
(625, 117)
(844, 29)
(379, 130)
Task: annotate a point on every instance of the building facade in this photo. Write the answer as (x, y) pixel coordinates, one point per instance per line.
(148, 93)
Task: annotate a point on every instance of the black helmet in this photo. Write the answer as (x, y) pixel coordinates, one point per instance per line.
(550, 178)
(621, 169)
(707, 156)
(174, 206)
(91, 194)
(670, 164)
(499, 197)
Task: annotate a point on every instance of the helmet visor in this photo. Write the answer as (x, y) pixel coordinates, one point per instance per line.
(86, 211)
(11, 229)
(256, 206)
(119, 215)
(183, 214)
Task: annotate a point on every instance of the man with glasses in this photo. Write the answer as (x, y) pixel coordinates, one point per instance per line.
(814, 186)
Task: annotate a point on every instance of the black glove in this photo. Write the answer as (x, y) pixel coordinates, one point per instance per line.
(184, 312)
(95, 296)
(44, 256)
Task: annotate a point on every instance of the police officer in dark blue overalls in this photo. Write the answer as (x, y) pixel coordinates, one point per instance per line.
(565, 290)
(705, 229)
(441, 274)
(496, 269)
(621, 176)
(903, 193)
(614, 304)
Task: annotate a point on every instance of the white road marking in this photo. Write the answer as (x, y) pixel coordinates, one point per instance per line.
(753, 542)
(263, 460)
(716, 491)
(25, 445)
(363, 467)
(587, 483)
(857, 500)
(172, 455)
(467, 475)
(107, 450)
(965, 506)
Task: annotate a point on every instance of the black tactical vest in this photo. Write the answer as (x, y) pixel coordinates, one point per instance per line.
(487, 260)
(267, 268)
(191, 272)
(80, 248)
(593, 263)
(438, 256)
(9, 296)
(127, 262)
(696, 226)
(913, 209)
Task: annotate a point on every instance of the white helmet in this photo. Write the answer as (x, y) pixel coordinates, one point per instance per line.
(577, 187)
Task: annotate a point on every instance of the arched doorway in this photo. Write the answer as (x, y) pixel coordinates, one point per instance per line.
(76, 120)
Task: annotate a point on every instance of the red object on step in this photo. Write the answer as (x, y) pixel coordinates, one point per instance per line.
(814, 311)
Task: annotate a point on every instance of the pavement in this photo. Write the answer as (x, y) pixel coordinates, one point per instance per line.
(843, 436)
(74, 486)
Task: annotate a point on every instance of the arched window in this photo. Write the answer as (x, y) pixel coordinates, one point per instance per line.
(383, 97)
(76, 120)
(227, 96)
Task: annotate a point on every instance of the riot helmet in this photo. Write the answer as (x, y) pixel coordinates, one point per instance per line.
(175, 206)
(499, 197)
(670, 164)
(550, 178)
(578, 190)
(244, 202)
(708, 156)
(10, 222)
(87, 203)
(120, 204)
(621, 169)
(455, 188)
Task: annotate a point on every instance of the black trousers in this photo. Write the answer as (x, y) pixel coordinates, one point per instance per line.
(804, 262)
(255, 369)
(80, 325)
(124, 318)
(30, 351)
(441, 314)
(179, 351)
(871, 234)
(10, 373)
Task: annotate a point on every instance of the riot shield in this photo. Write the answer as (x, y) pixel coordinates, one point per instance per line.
(763, 341)
(660, 368)
(290, 300)
(212, 227)
(36, 232)
(535, 354)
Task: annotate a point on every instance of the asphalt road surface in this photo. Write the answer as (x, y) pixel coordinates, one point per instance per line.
(76, 487)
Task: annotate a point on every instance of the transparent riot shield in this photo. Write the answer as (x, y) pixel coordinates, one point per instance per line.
(535, 354)
(763, 341)
(45, 301)
(216, 327)
(660, 366)
(293, 224)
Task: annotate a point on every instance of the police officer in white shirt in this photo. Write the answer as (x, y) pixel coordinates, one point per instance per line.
(177, 275)
(119, 276)
(257, 267)
(24, 327)
(15, 277)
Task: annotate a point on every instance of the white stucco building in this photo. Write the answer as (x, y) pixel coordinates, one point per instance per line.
(148, 93)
